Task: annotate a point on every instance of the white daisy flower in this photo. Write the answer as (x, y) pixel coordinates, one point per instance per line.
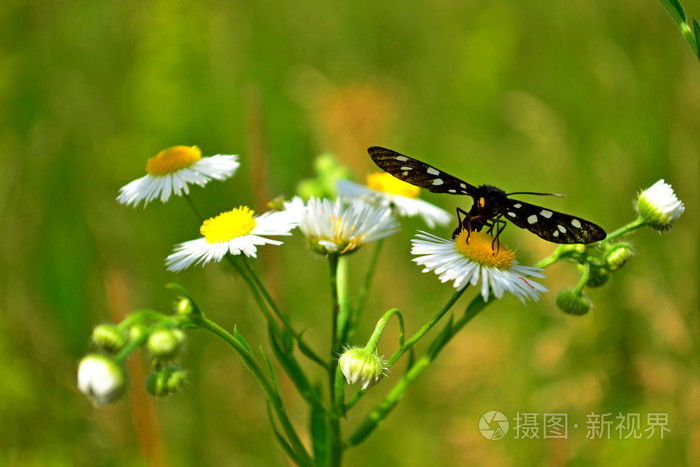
(384, 189)
(101, 379)
(236, 232)
(659, 206)
(470, 257)
(337, 228)
(172, 170)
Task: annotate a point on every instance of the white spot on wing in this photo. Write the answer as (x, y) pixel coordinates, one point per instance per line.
(433, 171)
(452, 190)
(576, 223)
(406, 168)
(438, 181)
(401, 158)
(532, 219)
(512, 214)
(404, 173)
(517, 205)
(561, 229)
(545, 213)
(555, 234)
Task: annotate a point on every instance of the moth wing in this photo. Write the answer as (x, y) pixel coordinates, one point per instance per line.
(553, 226)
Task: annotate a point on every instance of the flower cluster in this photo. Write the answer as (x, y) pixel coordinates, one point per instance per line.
(336, 220)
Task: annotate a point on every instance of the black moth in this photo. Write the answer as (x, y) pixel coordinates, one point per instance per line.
(491, 204)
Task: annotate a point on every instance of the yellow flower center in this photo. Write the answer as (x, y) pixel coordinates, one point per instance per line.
(228, 225)
(387, 183)
(173, 159)
(479, 248)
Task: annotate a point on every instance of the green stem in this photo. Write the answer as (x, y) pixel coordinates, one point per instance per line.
(364, 291)
(268, 388)
(625, 229)
(258, 287)
(379, 329)
(426, 328)
(141, 315)
(404, 347)
(372, 420)
(335, 445)
(194, 208)
(556, 256)
(344, 311)
(584, 277)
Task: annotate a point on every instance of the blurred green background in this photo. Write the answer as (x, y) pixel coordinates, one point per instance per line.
(591, 98)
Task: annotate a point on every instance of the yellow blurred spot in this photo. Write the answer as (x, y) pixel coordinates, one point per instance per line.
(387, 183)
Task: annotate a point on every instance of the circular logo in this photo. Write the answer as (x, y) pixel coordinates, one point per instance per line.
(493, 425)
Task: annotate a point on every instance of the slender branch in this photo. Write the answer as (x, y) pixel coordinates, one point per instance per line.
(625, 229)
(258, 286)
(335, 447)
(426, 327)
(267, 387)
(194, 208)
(372, 420)
(364, 291)
(404, 347)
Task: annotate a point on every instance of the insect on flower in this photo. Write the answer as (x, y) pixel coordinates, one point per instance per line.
(491, 204)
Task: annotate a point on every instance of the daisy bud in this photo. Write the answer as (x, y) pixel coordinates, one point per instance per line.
(598, 276)
(137, 332)
(165, 381)
(573, 303)
(165, 344)
(618, 255)
(184, 306)
(108, 337)
(100, 378)
(360, 365)
(659, 206)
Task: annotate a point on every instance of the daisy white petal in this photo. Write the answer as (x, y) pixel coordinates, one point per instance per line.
(334, 227)
(385, 190)
(470, 258)
(171, 172)
(236, 232)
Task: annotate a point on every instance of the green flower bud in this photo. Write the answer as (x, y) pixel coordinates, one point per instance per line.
(618, 255)
(165, 344)
(137, 331)
(108, 337)
(659, 206)
(101, 379)
(598, 276)
(573, 303)
(165, 381)
(184, 306)
(363, 366)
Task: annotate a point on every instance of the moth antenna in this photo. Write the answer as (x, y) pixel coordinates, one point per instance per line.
(533, 193)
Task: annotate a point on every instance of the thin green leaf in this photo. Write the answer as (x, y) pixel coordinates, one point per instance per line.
(281, 440)
(237, 335)
(696, 33)
(675, 9)
(272, 373)
(294, 371)
(319, 435)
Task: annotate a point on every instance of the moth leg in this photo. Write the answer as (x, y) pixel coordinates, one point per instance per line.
(499, 224)
(462, 223)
